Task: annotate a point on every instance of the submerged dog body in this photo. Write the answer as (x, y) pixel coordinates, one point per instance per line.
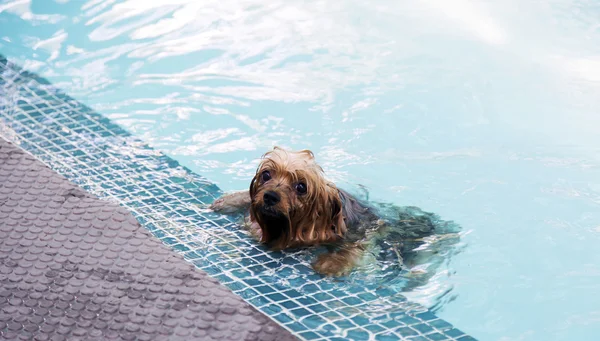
(290, 204)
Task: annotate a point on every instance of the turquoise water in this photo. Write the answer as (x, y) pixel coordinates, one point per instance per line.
(482, 112)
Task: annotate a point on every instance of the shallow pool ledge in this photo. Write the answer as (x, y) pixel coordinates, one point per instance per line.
(167, 200)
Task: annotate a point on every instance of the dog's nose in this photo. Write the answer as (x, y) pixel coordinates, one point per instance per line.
(271, 198)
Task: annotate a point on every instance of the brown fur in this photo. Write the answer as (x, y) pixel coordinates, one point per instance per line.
(313, 218)
(341, 261)
(323, 214)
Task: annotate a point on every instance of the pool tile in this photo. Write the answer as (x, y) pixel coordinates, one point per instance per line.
(387, 337)
(437, 337)
(466, 338)
(440, 324)
(418, 338)
(455, 333)
(406, 331)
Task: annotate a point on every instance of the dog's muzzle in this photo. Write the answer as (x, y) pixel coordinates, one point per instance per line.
(271, 198)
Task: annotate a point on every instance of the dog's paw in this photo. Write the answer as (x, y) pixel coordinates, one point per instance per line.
(218, 205)
(231, 203)
(332, 265)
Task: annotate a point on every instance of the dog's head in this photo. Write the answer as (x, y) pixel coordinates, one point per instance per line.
(293, 203)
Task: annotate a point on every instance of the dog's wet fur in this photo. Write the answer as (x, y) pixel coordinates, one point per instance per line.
(290, 204)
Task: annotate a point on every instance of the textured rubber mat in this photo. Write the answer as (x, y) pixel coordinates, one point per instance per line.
(75, 267)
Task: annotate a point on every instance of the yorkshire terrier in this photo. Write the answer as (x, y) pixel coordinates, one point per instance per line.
(290, 204)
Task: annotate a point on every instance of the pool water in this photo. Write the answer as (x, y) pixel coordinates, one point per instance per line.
(481, 112)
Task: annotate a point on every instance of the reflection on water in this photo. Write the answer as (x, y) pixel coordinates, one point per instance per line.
(482, 112)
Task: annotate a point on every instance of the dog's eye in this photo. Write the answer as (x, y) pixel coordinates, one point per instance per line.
(301, 188)
(266, 176)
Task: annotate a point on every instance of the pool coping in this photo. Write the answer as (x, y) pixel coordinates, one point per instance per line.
(169, 200)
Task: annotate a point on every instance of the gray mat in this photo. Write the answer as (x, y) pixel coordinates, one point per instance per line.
(74, 267)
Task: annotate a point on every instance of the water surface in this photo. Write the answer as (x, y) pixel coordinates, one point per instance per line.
(482, 112)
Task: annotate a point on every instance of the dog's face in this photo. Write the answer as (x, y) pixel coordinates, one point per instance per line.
(293, 203)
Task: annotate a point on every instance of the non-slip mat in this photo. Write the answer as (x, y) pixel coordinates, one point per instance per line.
(75, 267)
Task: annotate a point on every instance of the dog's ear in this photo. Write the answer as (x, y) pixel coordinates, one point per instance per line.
(338, 225)
(253, 185)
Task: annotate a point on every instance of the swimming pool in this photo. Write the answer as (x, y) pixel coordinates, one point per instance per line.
(481, 113)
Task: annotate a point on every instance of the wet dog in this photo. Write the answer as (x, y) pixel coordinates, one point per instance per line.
(290, 204)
